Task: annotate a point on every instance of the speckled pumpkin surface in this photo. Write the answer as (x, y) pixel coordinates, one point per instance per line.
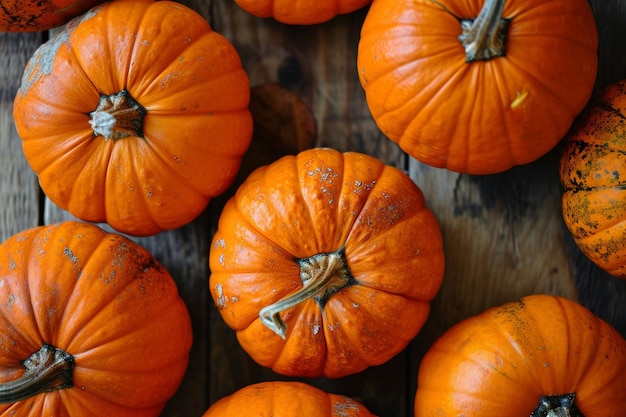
(593, 174)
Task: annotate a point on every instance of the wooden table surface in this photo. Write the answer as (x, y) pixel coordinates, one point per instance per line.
(503, 234)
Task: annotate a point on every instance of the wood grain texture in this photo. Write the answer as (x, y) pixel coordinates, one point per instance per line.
(19, 191)
(318, 63)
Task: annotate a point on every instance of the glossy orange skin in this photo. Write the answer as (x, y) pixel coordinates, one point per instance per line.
(196, 128)
(481, 117)
(593, 177)
(500, 362)
(103, 299)
(285, 399)
(40, 15)
(318, 202)
(301, 12)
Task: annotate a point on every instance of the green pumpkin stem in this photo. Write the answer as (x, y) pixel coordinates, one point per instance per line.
(48, 369)
(322, 275)
(557, 406)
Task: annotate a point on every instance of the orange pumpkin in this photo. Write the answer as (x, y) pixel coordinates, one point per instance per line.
(325, 263)
(91, 325)
(286, 399)
(593, 177)
(540, 356)
(301, 12)
(40, 15)
(477, 86)
(135, 115)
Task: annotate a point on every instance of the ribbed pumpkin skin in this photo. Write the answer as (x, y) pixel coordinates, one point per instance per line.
(500, 362)
(285, 399)
(301, 12)
(187, 149)
(106, 301)
(306, 207)
(485, 116)
(593, 176)
(40, 15)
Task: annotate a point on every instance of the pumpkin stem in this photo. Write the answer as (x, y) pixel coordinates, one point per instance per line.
(484, 37)
(48, 369)
(322, 275)
(117, 116)
(557, 406)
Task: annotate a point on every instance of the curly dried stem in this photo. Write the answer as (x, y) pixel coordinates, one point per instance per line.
(322, 275)
(48, 369)
(117, 116)
(557, 406)
(484, 37)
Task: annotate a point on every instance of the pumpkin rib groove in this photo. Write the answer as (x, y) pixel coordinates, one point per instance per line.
(133, 55)
(369, 200)
(589, 362)
(302, 178)
(111, 180)
(259, 231)
(129, 332)
(440, 90)
(267, 181)
(396, 89)
(602, 227)
(357, 216)
(190, 87)
(76, 192)
(89, 270)
(545, 88)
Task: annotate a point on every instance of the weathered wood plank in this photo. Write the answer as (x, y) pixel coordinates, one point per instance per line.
(318, 63)
(19, 190)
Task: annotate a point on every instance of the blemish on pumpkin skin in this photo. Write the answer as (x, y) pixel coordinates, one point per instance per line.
(346, 409)
(67, 252)
(519, 99)
(221, 300)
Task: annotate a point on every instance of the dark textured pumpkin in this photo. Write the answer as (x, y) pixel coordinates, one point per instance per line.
(477, 86)
(286, 399)
(593, 175)
(90, 325)
(301, 12)
(541, 356)
(135, 115)
(40, 15)
(325, 263)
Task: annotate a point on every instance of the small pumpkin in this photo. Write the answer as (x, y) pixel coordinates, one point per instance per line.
(90, 323)
(135, 115)
(40, 15)
(541, 356)
(477, 86)
(593, 177)
(286, 399)
(324, 263)
(301, 12)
